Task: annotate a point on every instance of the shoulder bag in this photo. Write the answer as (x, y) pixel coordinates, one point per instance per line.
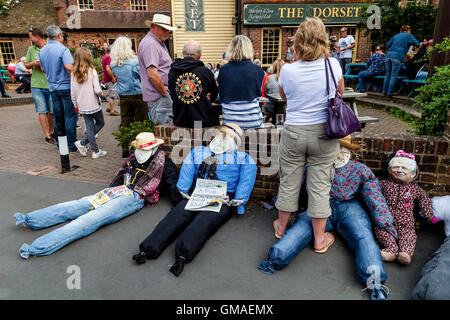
(341, 120)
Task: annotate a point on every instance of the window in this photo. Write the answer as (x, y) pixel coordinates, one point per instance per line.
(133, 43)
(6, 52)
(138, 5)
(271, 46)
(86, 4)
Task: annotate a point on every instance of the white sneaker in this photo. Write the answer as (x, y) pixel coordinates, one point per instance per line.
(100, 153)
(82, 149)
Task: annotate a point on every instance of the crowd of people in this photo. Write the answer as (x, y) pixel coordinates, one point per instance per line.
(405, 57)
(342, 194)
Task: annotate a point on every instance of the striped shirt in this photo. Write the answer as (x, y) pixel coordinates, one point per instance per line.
(246, 114)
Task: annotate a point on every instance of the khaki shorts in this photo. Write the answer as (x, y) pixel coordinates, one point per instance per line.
(300, 146)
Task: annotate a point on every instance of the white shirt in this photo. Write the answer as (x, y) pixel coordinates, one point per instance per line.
(344, 43)
(304, 85)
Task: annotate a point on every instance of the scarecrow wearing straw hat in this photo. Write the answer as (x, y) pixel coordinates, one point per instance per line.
(137, 183)
(356, 202)
(220, 161)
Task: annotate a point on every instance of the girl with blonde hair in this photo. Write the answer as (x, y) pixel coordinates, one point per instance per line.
(302, 84)
(125, 67)
(240, 82)
(85, 92)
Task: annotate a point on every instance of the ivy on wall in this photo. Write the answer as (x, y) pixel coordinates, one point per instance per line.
(6, 5)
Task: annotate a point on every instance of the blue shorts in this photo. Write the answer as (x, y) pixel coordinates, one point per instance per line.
(42, 100)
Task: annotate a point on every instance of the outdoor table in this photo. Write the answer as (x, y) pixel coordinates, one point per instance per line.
(350, 97)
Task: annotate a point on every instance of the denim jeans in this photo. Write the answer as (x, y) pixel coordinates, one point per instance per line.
(2, 87)
(63, 107)
(161, 110)
(390, 78)
(42, 100)
(353, 224)
(362, 77)
(94, 123)
(86, 221)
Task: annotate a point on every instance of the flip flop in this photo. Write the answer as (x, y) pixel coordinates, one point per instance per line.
(275, 227)
(330, 241)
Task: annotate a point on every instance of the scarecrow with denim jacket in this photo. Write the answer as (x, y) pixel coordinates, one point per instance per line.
(219, 163)
(140, 180)
(402, 195)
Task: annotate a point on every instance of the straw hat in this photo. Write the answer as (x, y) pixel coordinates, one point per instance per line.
(234, 131)
(162, 21)
(144, 144)
(347, 142)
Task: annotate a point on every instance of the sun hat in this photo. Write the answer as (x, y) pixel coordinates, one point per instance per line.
(162, 21)
(347, 142)
(234, 131)
(144, 144)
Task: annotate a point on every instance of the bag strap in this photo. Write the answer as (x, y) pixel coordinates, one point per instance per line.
(328, 63)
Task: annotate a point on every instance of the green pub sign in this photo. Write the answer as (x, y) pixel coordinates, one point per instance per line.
(294, 14)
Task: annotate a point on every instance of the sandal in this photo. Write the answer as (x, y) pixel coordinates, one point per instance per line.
(114, 113)
(330, 241)
(108, 109)
(275, 228)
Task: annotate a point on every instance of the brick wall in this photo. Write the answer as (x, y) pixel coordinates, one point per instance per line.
(152, 5)
(432, 154)
(77, 37)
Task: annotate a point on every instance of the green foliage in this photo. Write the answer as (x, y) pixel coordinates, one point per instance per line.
(6, 5)
(420, 16)
(98, 67)
(434, 97)
(126, 135)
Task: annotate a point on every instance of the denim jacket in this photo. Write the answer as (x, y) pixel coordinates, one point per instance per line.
(128, 78)
(237, 168)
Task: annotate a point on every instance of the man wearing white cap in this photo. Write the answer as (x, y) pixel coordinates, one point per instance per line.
(143, 176)
(154, 65)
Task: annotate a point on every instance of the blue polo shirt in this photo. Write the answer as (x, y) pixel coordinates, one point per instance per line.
(53, 56)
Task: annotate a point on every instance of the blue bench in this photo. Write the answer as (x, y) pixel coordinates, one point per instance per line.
(413, 85)
(3, 75)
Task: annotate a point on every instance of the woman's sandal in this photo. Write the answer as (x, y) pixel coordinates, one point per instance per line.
(330, 241)
(275, 228)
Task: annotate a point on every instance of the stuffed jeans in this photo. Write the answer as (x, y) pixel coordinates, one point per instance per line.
(353, 223)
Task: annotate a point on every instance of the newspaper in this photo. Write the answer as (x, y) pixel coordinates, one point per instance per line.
(107, 194)
(208, 195)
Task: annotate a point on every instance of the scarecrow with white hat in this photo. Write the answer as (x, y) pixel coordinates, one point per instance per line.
(356, 202)
(220, 161)
(139, 181)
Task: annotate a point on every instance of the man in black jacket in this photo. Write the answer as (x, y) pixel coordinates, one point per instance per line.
(192, 88)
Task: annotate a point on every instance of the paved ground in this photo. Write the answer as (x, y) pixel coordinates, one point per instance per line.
(224, 269)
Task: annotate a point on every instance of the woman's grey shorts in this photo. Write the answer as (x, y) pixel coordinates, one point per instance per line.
(308, 146)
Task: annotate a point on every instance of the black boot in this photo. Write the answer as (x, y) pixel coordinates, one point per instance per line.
(178, 266)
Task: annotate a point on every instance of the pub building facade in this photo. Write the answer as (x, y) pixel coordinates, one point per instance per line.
(269, 24)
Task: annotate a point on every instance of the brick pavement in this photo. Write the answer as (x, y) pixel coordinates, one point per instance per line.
(22, 146)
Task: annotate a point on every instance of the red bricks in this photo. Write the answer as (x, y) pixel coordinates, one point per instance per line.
(434, 168)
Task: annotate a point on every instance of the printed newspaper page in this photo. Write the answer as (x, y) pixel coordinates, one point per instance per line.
(107, 194)
(208, 195)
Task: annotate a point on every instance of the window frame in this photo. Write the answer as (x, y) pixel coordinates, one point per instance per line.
(133, 4)
(2, 60)
(83, 4)
(280, 34)
(133, 40)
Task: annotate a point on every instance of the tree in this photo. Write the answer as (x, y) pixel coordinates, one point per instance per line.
(420, 16)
